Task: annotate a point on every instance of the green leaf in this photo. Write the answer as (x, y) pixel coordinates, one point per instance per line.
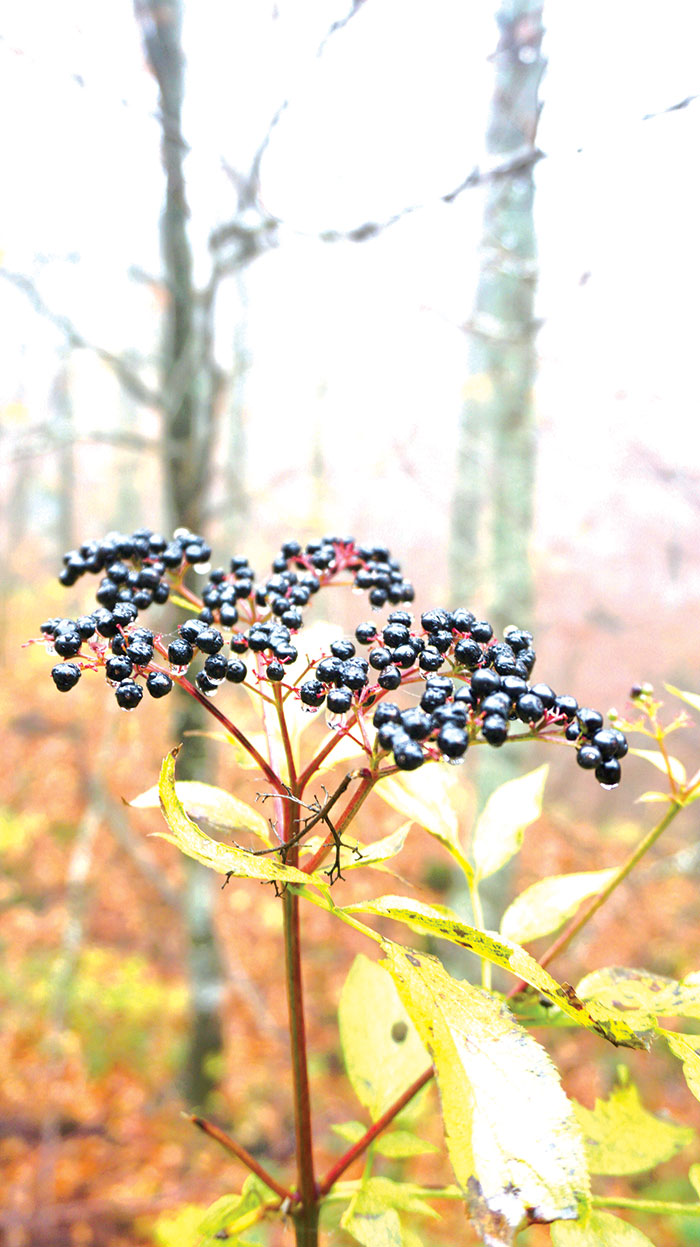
(351, 1131)
(216, 806)
(226, 859)
(690, 699)
(509, 956)
(499, 831)
(599, 1229)
(370, 1222)
(382, 1051)
(687, 1049)
(622, 1137)
(546, 905)
(511, 1133)
(675, 767)
(398, 1144)
(694, 1178)
(427, 798)
(621, 987)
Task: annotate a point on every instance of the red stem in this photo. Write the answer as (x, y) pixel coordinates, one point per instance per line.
(237, 1150)
(370, 1135)
(265, 767)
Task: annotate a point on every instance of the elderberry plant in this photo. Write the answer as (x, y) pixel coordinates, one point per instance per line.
(411, 691)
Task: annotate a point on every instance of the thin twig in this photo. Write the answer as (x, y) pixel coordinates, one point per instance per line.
(215, 1132)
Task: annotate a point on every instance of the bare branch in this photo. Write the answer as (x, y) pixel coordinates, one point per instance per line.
(519, 161)
(249, 190)
(672, 108)
(130, 380)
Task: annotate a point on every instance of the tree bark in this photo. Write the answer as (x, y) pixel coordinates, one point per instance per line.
(190, 385)
(496, 455)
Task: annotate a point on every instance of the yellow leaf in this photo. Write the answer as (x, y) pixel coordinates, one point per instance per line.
(502, 952)
(226, 859)
(511, 1133)
(546, 905)
(216, 806)
(427, 797)
(599, 1229)
(499, 831)
(675, 767)
(382, 1051)
(690, 699)
(687, 1049)
(622, 1137)
(621, 987)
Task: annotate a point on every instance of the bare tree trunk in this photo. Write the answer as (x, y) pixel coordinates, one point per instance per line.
(493, 504)
(496, 456)
(190, 388)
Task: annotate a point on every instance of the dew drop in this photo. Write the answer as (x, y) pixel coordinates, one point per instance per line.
(308, 709)
(609, 787)
(453, 761)
(178, 670)
(128, 709)
(49, 647)
(336, 722)
(202, 568)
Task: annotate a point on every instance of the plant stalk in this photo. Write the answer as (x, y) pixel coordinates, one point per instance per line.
(306, 1216)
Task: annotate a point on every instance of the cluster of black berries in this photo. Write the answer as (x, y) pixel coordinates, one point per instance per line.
(140, 569)
(487, 689)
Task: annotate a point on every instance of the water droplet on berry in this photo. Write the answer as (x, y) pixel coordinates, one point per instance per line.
(178, 670)
(336, 721)
(128, 709)
(202, 568)
(609, 787)
(49, 648)
(452, 761)
(308, 709)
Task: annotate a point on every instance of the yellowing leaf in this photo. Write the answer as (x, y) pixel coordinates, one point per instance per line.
(218, 807)
(687, 1049)
(427, 798)
(499, 831)
(402, 1143)
(623, 988)
(383, 1053)
(546, 905)
(511, 1134)
(675, 766)
(599, 1229)
(372, 1217)
(649, 798)
(694, 1178)
(224, 858)
(353, 856)
(622, 1137)
(690, 699)
(509, 956)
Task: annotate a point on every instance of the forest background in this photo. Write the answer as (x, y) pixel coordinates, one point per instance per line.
(265, 268)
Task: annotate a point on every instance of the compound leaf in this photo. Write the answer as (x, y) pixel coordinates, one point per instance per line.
(499, 831)
(599, 1229)
(502, 952)
(546, 905)
(511, 1134)
(224, 858)
(381, 1047)
(218, 807)
(622, 1137)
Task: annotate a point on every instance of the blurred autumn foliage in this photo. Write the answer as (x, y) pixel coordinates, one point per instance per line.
(93, 1145)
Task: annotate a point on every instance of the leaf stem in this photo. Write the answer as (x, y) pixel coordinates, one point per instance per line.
(374, 1130)
(284, 730)
(595, 903)
(214, 1132)
(369, 779)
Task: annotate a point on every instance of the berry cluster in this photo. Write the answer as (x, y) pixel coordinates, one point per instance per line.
(472, 685)
(486, 691)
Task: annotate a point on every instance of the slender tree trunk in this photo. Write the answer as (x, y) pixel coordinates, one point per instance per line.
(496, 455)
(189, 386)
